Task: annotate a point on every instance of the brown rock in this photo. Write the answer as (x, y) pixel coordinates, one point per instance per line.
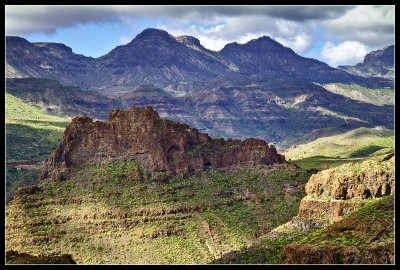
(158, 145)
(311, 254)
(368, 179)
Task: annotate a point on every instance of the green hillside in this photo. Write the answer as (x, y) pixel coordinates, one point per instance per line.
(365, 229)
(31, 134)
(379, 97)
(97, 217)
(352, 146)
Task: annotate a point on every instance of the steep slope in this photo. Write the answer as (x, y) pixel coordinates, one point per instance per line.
(347, 217)
(47, 60)
(268, 57)
(55, 98)
(156, 57)
(379, 63)
(31, 135)
(365, 236)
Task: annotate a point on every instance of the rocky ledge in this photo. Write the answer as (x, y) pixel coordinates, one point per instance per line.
(157, 145)
(336, 192)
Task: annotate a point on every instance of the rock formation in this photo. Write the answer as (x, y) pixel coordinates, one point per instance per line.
(332, 197)
(157, 145)
(335, 192)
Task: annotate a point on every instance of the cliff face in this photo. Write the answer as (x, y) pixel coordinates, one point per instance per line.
(353, 204)
(336, 192)
(158, 145)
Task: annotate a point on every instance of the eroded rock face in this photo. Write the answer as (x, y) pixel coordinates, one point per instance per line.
(336, 192)
(158, 145)
(370, 179)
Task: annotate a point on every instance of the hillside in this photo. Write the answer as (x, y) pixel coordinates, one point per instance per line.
(335, 225)
(57, 99)
(31, 134)
(99, 203)
(379, 97)
(352, 146)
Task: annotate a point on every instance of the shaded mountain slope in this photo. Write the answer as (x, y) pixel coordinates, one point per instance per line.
(154, 56)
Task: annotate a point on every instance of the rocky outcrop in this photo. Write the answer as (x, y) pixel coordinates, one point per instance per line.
(354, 230)
(366, 180)
(158, 145)
(336, 192)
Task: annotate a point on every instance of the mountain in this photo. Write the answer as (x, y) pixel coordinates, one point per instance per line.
(268, 57)
(111, 199)
(55, 98)
(46, 60)
(275, 110)
(379, 63)
(154, 56)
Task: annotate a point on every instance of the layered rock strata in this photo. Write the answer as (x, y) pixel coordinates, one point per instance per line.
(157, 145)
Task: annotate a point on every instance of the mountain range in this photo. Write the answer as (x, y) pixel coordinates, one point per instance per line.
(155, 56)
(138, 188)
(257, 89)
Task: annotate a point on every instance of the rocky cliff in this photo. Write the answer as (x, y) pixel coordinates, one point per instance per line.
(158, 145)
(336, 192)
(353, 207)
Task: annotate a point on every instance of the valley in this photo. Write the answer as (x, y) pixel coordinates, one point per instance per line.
(162, 151)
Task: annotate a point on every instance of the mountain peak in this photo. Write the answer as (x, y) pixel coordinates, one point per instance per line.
(385, 55)
(150, 33)
(188, 40)
(54, 46)
(15, 41)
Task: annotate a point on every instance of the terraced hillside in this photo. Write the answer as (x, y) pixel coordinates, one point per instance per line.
(99, 216)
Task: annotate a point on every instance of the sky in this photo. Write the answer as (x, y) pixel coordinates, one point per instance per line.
(337, 35)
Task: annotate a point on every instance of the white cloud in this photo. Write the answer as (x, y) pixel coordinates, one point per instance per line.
(299, 43)
(243, 29)
(345, 53)
(372, 25)
(124, 40)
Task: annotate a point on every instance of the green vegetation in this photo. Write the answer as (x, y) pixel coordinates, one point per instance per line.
(353, 146)
(31, 134)
(370, 225)
(379, 97)
(98, 216)
(267, 251)
(373, 222)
